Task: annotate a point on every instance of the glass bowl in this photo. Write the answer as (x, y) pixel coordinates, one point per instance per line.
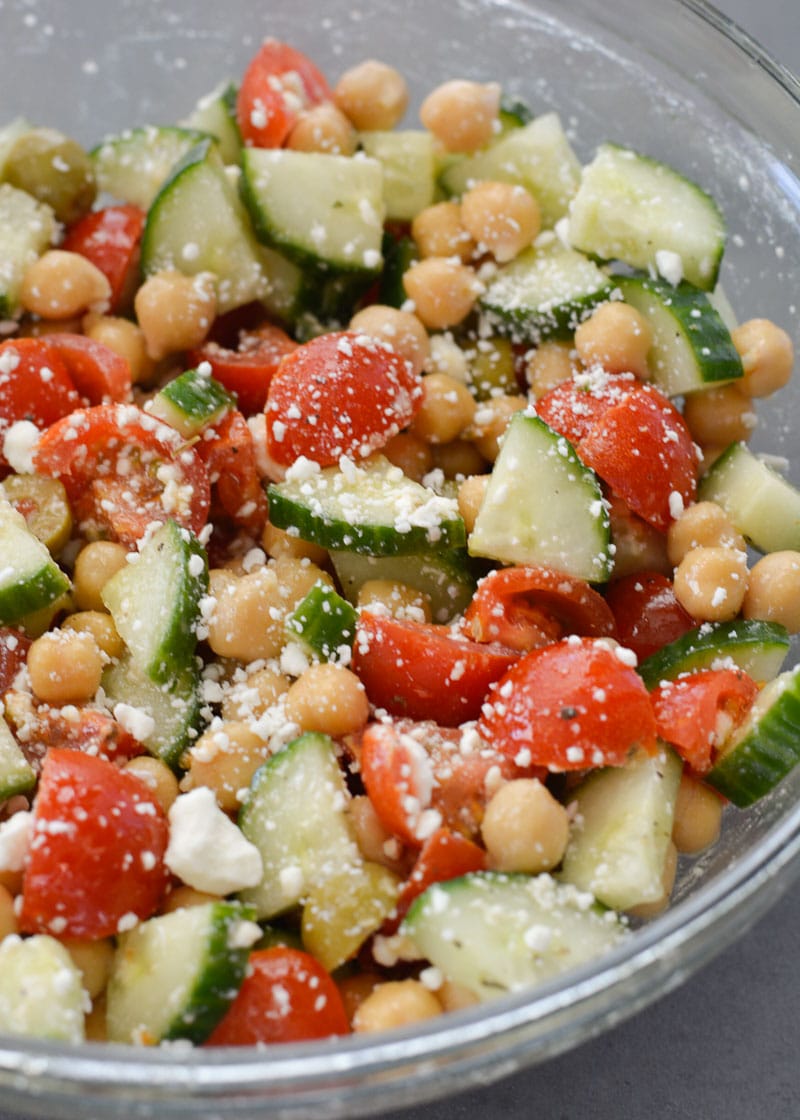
(693, 91)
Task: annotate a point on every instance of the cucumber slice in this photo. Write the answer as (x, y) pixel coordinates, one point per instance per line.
(27, 229)
(43, 503)
(447, 577)
(409, 164)
(343, 911)
(538, 156)
(763, 506)
(16, 773)
(630, 207)
(191, 402)
(133, 165)
(155, 603)
(175, 975)
(215, 115)
(758, 647)
(41, 990)
(296, 815)
(514, 112)
(285, 285)
(373, 509)
(763, 749)
(325, 623)
(543, 506)
(322, 210)
(621, 830)
(196, 223)
(497, 933)
(544, 292)
(692, 348)
(29, 577)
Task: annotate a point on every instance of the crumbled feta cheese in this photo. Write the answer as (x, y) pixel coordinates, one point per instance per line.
(16, 834)
(206, 849)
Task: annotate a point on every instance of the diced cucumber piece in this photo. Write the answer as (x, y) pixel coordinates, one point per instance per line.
(543, 506)
(341, 912)
(629, 208)
(284, 285)
(621, 830)
(760, 648)
(196, 223)
(296, 815)
(133, 165)
(399, 253)
(29, 577)
(373, 509)
(409, 165)
(762, 505)
(41, 990)
(497, 933)
(544, 292)
(447, 576)
(175, 975)
(692, 348)
(16, 773)
(763, 749)
(514, 112)
(538, 156)
(318, 209)
(191, 402)
(43, 503)
(155, 603)
(324, 622)
(27, 228)
(215, 115)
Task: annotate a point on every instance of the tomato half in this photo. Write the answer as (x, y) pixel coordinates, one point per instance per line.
(339, 394)
(527, 607)
(230, 459)
(570, 706)
(424, 671)
(248, 370)
(35, 385)
(573, 407)
(444, 855)
(277, 85)
(92, 730)
(98, 373)
(286, 996)
(647, 614)
(110, 239)
(97, 855)
(398, 777)
(695, 713)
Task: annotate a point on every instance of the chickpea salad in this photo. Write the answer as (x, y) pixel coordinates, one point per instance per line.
(389, 597)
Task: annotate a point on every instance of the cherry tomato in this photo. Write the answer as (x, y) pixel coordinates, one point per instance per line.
(96, 862)
(339, 394)
(35, 385)
(569, 706)
(123, 469)
(573, 407)
(230, 459)
(527, 607)
(248, 370)
(110, 239)
(647, 614)
(277, 85)
(286, 996)
(423, 671)
(14, 646)
(98, 373)
(696, 712)
(444, 855)
(398, 777)
(93, 730)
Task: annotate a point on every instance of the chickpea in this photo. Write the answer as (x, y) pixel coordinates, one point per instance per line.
(102, 629)
(124, 338)
(8, 915)
(247, 622)
(96, 563)
(458, 459)
(455, 997)
(354, 989)
(701, 525)
(323, 128)
(471, 493)
(710, 583)
(767, 356)
(182, 897)
(397, 599)
(717, 417)
(93, 959)
(175, 311)
(617, 337)
(400, 329)
(773, 590)
(65, 667)
(96, 1022)
(60, 285)
(372, 94)
(698, 816)
(524, 828)
(224, 759)
(444, 291)
(410, 453)
(446, 410)
(462, 115)
(277, 542)
(157, 776)
(503, 218)
(547, 366)
(249, 699)
(396, 1003)
(328, 698)
(438, 231)
(490, 422)
(376, 844)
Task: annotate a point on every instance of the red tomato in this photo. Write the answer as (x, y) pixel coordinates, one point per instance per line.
(110, 238)
(286, 996)
(340, 394)
(573, 407)
(444, 855)
(695, 713)
(647, 613)
(35, 385)
(14, 646)
(230, 459)
(424, 671)
(92, 730)
(527, 607)
(98, 373)
(248, 370)
(570, 706)
(123, 469)
(277, 85)
(398, 777)
(97, 855)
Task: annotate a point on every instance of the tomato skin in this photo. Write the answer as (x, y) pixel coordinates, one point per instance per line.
(398, 777)
(339, 394)
(687, 710)
(526, 607)
(98, 849)
(97, 372)
(230, 460)
(248, 370)
(278, 83)
(570, 706)
(14, 646)
(444, 855)
(35, 385)
(421, 671)
(110, 239)
(573, 407)
(286, 996)
(92, 730)
(647, 614)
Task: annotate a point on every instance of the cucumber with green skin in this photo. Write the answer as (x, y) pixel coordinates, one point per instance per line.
(16, 773)
(215, 115)
(324, 622)
(758, 647)
(763, 506)
(191, 402)
(29, 577)
(408, 162)
(448, 576)
(41, 990)
(133, 165)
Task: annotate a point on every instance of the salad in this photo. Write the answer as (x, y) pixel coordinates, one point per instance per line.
(378, 627)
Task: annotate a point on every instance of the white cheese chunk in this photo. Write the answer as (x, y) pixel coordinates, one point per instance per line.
(206, 849)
